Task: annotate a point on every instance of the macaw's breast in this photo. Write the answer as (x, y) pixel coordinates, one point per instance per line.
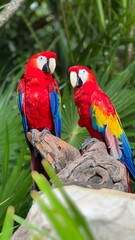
(83, 103)
(38, 109)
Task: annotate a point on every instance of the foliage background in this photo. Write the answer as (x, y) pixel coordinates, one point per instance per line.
(96, 33)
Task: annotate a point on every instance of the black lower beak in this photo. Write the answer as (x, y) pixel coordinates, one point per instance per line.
(79, 81)
(46, 68)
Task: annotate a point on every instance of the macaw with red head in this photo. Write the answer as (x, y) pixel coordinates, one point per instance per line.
(38, 100)
(99, 116)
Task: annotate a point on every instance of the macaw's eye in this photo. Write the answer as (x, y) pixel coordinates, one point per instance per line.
(40, 58)
(41, 61)
(83, 74)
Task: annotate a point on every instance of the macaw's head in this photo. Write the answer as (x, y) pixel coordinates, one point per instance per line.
(79, 75)
(43, 61)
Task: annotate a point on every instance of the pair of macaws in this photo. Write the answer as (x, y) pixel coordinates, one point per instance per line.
(38, 101)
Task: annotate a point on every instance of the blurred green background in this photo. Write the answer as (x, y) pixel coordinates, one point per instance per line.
(96, 33)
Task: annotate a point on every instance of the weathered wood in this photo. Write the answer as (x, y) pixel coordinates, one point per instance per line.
(57, 152)
(95, 168)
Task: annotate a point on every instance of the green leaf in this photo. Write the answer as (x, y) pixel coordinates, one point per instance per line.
(7, 228)
(5, 164)
(118, 82)
(101, 13)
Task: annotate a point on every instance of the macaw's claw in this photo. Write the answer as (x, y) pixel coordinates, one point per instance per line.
(43, 133)
(33, 133)
(87, 142)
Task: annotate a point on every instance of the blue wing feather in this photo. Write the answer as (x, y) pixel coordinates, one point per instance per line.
(24, 119)
(55, 109)
(94, 123)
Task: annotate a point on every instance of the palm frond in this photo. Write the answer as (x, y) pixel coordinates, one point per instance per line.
(71, 132)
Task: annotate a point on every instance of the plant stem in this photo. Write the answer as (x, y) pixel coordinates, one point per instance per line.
(66, 32)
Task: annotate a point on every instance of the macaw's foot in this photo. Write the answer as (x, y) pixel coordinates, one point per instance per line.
(43, 133)
(33, 135)
(87, 142)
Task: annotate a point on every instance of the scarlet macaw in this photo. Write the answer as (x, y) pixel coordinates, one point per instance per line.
(99, 116)
(38, 101)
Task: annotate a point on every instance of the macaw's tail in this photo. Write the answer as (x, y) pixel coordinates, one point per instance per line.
(131, 169)
(127, 157)
(128, 162)
(36, 165)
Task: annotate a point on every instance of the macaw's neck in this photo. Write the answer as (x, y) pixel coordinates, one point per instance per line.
(32, 73)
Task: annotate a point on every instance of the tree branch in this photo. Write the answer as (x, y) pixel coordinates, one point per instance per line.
(10, 10)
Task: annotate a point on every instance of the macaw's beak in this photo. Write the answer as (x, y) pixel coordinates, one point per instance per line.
(75, 80)
(79, 81)
(46, 68)
(49, 66)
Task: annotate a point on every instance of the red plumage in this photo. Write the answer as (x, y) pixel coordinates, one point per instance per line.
(83, 102)
(99, 116)
(35, 87)
(89, 94)
(38, 100)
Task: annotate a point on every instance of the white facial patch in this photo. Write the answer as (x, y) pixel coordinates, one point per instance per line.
(52, 64)
(83, 74)
(73, 79)
(41, 61)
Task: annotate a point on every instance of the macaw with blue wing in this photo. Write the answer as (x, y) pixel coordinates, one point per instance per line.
(99, 116)
(39, 101)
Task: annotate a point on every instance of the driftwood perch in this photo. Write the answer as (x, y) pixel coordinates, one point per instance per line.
(95, 168)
